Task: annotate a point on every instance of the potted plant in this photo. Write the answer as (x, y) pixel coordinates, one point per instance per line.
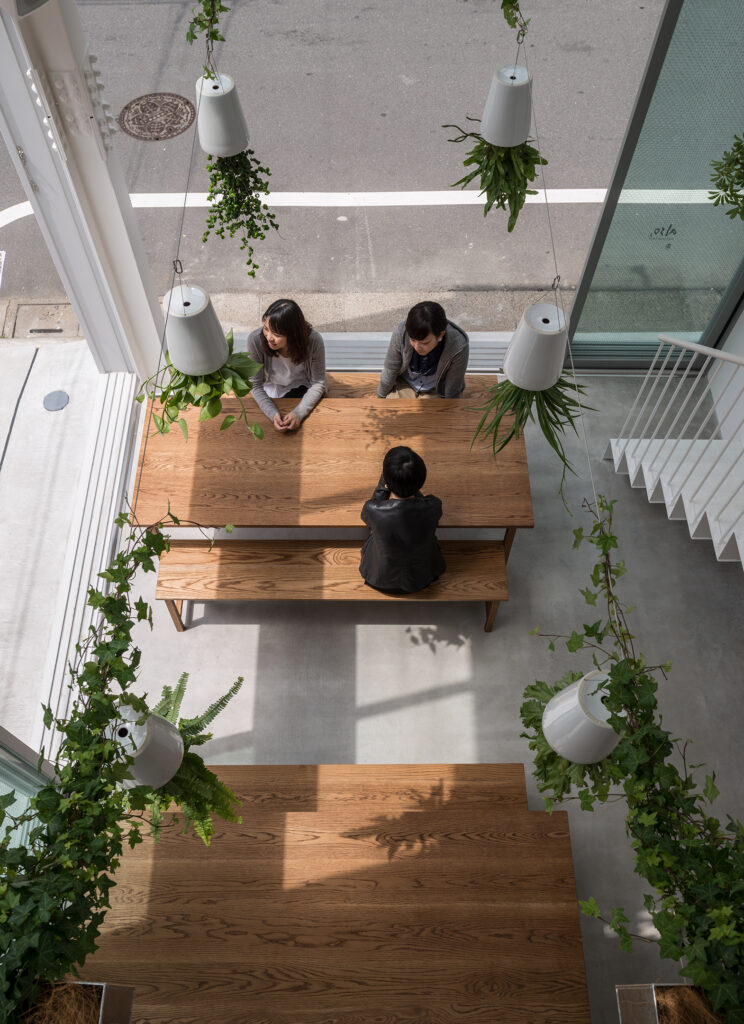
(55, 884)
(176, 390)
(554, 409)
(505, 171)
(692, 861)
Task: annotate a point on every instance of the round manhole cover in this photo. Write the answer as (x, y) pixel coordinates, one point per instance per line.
(159, 115)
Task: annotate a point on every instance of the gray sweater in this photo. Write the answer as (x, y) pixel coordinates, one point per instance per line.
(314, 367)
(451, 368)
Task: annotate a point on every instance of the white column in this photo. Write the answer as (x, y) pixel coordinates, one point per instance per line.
(58, 132)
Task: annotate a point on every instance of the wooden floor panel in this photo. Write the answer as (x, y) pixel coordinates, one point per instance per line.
(376, 894)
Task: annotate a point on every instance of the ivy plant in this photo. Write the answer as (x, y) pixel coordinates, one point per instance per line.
(236, 192)
(505, 172)
(55, 884)
(693, 862)
(514, 17)
(176, 391)
(206, 20)
(728, 180)
(554, 409)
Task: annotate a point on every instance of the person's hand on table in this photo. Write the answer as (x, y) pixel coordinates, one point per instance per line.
(290, 421)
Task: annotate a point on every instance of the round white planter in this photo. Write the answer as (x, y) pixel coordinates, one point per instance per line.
(508, 110)
(194, 335)
(575, 721)
(220, 123)
(534, 358)
(156, 745)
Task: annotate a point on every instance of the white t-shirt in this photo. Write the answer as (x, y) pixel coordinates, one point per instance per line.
(285, 375)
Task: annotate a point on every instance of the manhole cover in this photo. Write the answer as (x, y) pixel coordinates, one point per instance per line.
(56, 400)
(159, 115)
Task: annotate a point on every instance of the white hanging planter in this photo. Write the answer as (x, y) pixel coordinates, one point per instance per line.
(194, 335)
(575, 721)
(220, 123)
(508, 110)
(534, 358)
(156, 745)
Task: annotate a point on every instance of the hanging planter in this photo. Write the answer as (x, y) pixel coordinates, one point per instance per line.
(220, 123)
(534, 359)
(156, 745)
(508, 110)
(196, 342)
(575, 722)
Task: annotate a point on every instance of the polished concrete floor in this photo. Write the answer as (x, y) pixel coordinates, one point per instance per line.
(338, 683)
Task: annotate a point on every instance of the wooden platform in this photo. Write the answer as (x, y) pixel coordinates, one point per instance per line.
(357, 894)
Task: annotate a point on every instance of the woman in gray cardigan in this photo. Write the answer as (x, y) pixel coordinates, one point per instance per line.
(292, 355)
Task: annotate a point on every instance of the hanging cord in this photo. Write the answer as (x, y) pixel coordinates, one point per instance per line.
(177, 272)
(559, 299)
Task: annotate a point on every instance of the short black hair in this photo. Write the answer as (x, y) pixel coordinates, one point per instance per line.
(403, 471)
(425, 318)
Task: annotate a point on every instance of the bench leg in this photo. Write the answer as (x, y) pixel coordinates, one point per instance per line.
(491, 608)
(509, 536)
(175, 607)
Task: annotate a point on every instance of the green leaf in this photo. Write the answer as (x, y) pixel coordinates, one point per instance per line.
(575, 642)
(590, 596)
(227, 422)
(229, 527)
(184, 427)
(590, 907)
(710, 789)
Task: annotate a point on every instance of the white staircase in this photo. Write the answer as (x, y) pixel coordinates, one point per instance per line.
(685, 445)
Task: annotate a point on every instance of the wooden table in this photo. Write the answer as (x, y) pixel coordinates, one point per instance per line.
(321, 475)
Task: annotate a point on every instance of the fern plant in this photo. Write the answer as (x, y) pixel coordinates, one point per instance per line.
(554, 409)
(505, 172)
(196, 790)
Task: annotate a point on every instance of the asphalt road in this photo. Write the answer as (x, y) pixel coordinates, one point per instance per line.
(349, 96)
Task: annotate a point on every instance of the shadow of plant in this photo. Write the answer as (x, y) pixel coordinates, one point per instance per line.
(436, 636)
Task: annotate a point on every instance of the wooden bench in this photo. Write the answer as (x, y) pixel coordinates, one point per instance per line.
(309, 570)
(351, 384)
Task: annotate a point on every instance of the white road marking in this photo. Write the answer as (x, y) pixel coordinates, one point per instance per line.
(2, 265)
(444, 197)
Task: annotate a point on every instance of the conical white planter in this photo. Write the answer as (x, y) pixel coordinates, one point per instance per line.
(220, 123)
(575, 721)
(534, 358)
(156, 745)
(508, 110)
(194, 335)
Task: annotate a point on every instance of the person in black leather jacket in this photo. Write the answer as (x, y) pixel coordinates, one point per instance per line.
(401, 554)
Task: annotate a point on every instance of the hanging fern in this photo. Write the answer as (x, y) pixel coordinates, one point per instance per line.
(505, 172)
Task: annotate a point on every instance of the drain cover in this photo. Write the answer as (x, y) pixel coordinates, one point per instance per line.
(159, 115)
(56, 400)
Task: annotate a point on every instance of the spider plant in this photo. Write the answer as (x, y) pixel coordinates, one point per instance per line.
(554, 409)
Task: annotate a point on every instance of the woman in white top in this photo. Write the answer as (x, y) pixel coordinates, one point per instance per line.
(293, 358)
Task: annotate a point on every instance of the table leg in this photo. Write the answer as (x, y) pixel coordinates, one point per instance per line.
(509, 535)
(491, 608)
(174, 607)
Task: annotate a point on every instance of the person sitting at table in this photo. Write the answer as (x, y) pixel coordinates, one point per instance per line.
(401, 554)
(427, 356)
(292, 355)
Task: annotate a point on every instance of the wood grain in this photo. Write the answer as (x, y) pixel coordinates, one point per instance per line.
(369, 894)
(303, 570)
(322, 474)
(353, 384)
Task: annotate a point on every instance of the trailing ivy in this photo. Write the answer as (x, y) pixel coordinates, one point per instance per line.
(693, 862)
(513, 16)
(554, 410)
(55, 885)
(236, 192)
(728, 180)
(176, 391)
(505, 172)
(206, 21)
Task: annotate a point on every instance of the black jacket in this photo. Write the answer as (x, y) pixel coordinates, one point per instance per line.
(401, 553)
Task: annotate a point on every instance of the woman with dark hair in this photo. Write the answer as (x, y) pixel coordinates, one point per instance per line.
(292, 355)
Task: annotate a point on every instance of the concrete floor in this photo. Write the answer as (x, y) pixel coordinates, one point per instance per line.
(384, 684)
